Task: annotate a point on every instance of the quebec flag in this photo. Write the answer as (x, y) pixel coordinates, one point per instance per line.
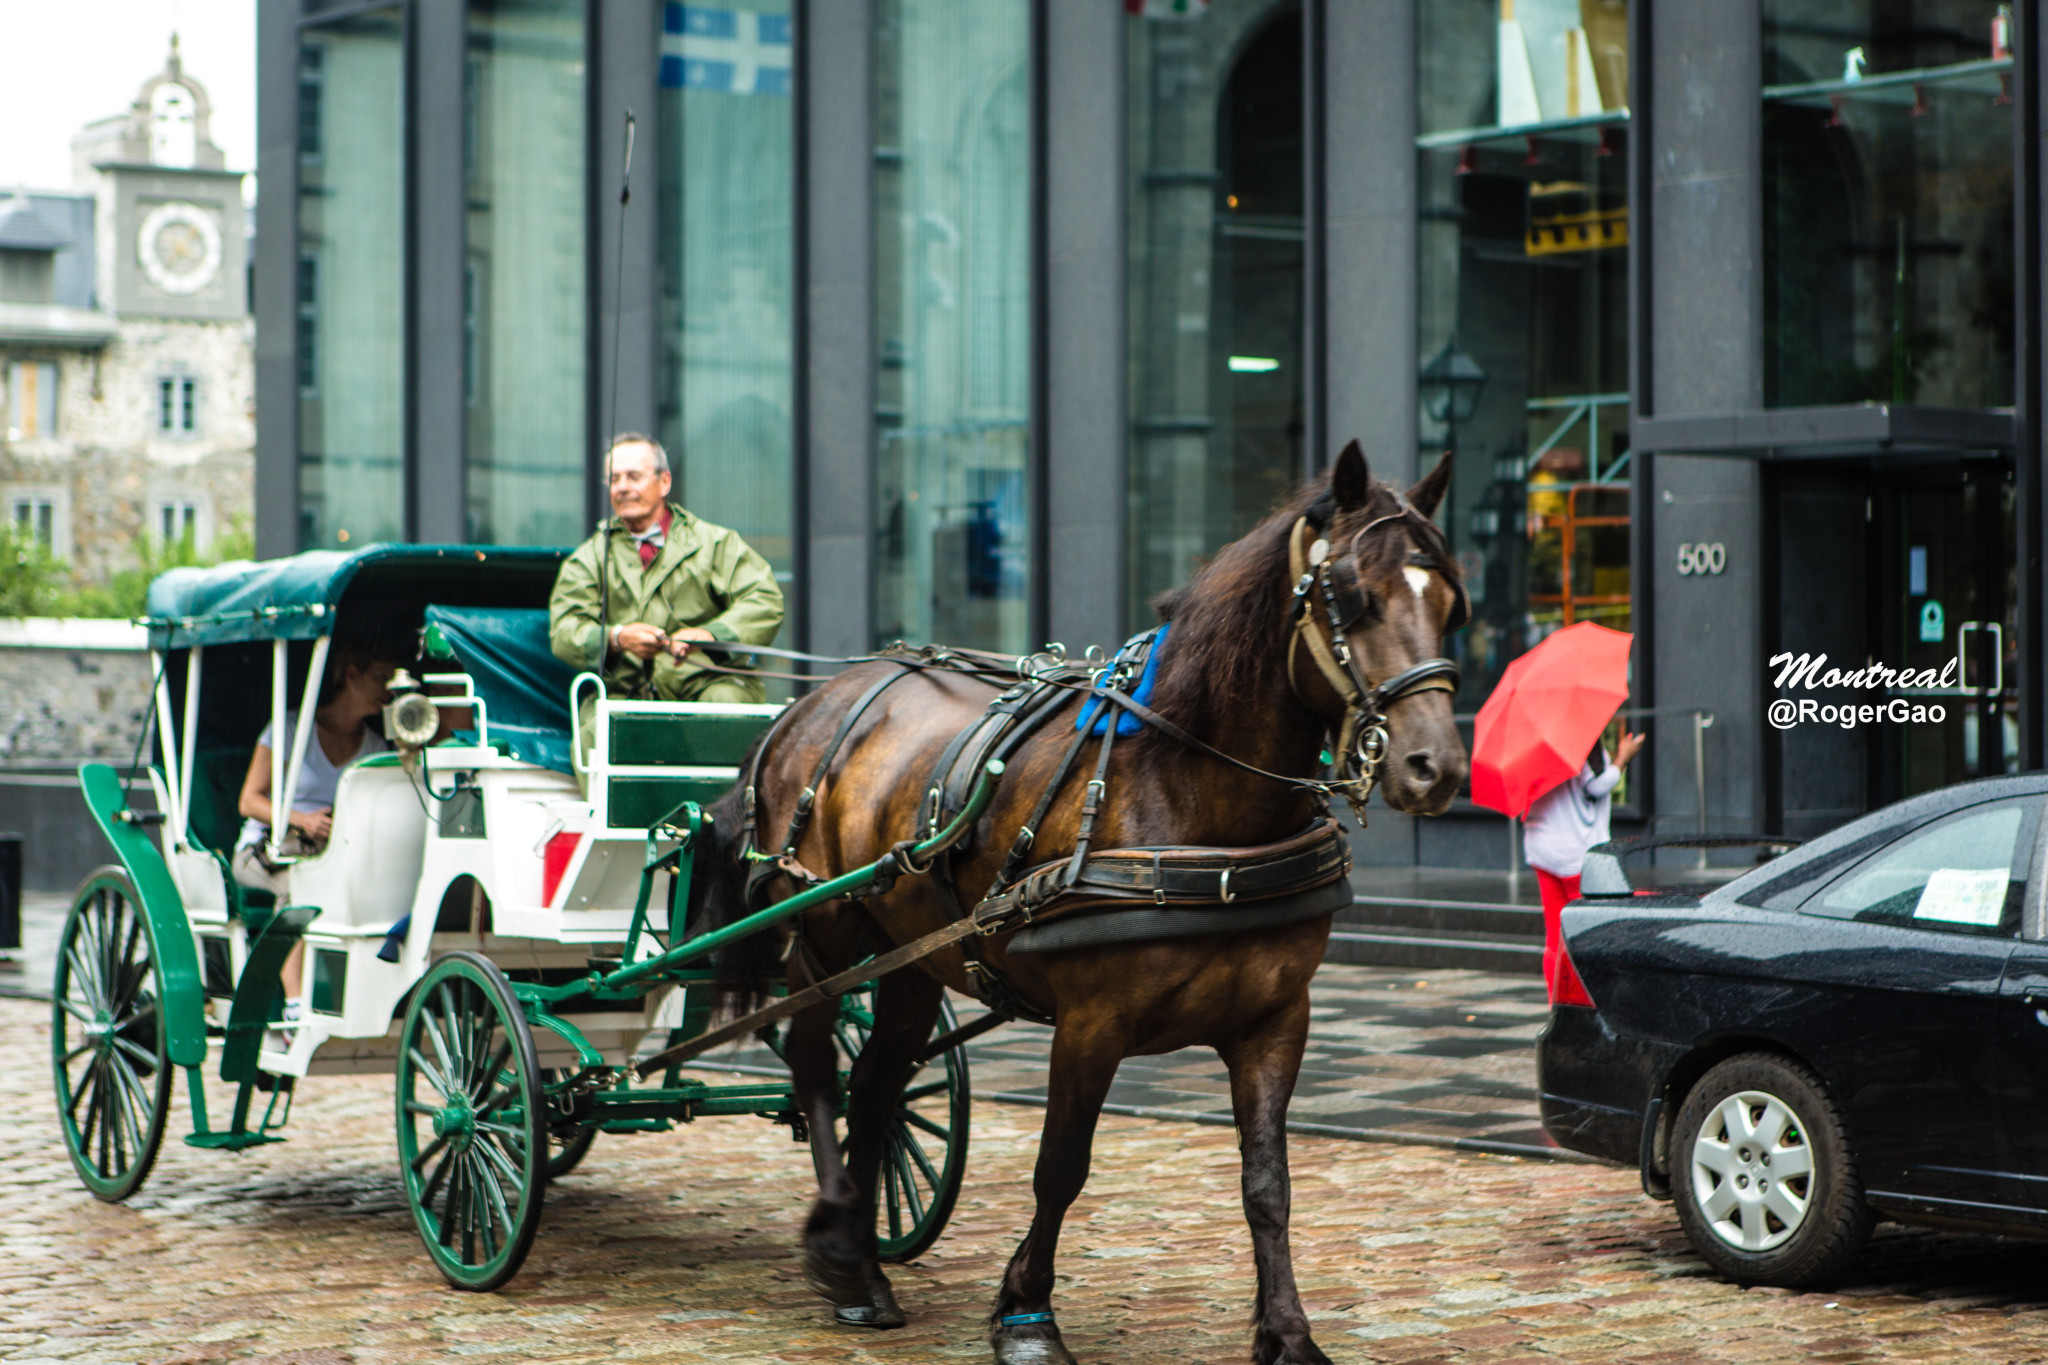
(738, 52)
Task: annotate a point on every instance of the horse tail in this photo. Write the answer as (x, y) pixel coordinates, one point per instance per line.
(725, 888)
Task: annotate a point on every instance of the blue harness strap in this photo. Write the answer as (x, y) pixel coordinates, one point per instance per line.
(1026, 1319)
(1140, 655)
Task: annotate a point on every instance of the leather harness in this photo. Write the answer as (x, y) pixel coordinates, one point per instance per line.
(1133, 894)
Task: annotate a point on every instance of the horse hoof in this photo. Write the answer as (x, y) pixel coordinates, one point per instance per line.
(1014, 1349)
(858, 1292)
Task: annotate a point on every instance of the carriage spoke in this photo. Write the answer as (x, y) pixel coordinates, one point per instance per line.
(925, 1091)
(441, 1172)
(431, 1026)
(908, 1179)
(432, 1073)
(919, 1121)
(494, 1193)
(139, 1053)
(75, 1010)
(495, 1156)
(916, 1153)
(450, 1200)
(428, 1153)
(480, 1084)
(88, 981)
(421, 1108)
(486, 1200)
(892, 1200)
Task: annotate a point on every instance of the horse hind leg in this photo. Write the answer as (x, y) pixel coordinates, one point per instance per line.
(1263, 1066)
(839, 1237)
(1022, 1330)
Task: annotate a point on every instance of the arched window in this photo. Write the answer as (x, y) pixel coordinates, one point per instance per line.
(173, 130)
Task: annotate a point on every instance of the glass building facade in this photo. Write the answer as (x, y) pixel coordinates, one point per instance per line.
(952, 123)
(349, 274)
(987, 323)
(727, 322)
(523, 287)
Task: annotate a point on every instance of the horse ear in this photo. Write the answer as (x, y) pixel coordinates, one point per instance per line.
(1350, 479)
(1429, 494)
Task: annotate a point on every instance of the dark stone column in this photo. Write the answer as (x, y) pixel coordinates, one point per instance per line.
(437, 500)
(835, 330)
(277, 278)
(1084, 434)
(626, 76)
(1705, 353)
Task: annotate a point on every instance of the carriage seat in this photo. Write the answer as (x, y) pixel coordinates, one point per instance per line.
(216, 823)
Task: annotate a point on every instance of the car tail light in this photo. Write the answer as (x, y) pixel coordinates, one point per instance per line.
(1569, 990)
(554, 863)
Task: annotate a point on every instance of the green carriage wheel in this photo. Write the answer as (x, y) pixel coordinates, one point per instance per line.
(108, 1038)
(924, 1157)
(568, 1141)
(472, 1122)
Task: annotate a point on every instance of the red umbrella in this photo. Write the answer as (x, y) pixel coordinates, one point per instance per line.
(1540, 723)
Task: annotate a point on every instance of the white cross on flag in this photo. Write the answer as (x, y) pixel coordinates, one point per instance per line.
(739, 52)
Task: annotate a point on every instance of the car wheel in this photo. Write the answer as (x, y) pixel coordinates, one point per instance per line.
(1763, 1177)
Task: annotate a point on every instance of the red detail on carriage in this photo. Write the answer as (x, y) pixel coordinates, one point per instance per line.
(554, 863)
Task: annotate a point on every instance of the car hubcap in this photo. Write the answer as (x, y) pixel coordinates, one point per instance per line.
(1752, 1171)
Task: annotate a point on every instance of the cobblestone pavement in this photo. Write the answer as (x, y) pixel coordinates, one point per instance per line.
(1437, 1057)
(1444, 1058)
(681, 1248)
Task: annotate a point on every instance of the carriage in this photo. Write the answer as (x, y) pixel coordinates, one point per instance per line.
(497, 917)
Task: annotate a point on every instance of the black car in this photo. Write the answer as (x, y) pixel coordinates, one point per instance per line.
(1857, 1029)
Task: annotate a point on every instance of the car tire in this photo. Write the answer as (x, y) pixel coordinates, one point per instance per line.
(1764, 1176)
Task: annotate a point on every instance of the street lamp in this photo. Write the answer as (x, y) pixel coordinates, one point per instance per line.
(1451, 384)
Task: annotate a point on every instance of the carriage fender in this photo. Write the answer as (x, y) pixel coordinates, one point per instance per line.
(184, 1001)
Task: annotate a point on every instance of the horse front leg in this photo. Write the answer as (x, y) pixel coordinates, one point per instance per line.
(1084, 1060)
(1263, 1066)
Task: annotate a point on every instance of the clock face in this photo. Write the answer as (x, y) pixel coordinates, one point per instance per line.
(178, 247)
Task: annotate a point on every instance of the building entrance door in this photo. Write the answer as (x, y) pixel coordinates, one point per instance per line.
(1943, 594)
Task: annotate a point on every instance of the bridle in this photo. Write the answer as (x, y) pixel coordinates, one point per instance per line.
(1362, 740)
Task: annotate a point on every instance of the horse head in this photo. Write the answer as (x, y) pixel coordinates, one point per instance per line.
(1376, 590)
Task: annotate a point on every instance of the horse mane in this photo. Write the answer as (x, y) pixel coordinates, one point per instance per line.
(1230, 621)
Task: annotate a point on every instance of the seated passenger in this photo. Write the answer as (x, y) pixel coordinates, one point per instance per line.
(353, 692)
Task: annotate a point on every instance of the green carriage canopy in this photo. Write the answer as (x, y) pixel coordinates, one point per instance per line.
(384, 587)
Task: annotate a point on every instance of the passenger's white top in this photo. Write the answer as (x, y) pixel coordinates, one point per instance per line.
(318, 776)
(1568, 820)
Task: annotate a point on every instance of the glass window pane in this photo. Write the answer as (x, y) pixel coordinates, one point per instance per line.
(1214, 112)
(1888, 202)
(952, 289)
(1523, 314)
(1963, 874)
(726, 249)
(527, 439)
(352, 228)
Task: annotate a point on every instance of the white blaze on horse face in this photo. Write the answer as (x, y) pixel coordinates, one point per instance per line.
(1418, 579)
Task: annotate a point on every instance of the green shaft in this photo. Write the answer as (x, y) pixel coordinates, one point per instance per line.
(853, 883)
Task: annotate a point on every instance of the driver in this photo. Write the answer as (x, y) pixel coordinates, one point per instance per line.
(646, 600)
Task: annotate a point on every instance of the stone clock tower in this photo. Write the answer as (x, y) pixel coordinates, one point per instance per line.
(170, 218)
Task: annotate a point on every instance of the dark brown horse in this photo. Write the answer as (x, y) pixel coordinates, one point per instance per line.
(1224, 676)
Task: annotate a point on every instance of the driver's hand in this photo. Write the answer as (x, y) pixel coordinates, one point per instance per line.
(641, 640)
(679, 643)
(314, 824)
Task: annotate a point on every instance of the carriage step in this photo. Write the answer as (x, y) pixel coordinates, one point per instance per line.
(229, 1141)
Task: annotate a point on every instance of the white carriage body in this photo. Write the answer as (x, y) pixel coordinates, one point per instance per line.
(483, 851)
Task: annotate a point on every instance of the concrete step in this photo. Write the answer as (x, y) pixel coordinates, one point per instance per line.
(1391, 931)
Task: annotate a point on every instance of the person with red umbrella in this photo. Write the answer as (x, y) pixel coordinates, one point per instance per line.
(1536, 755)
(1558, 830)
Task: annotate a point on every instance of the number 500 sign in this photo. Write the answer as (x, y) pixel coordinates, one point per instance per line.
(1702, 558)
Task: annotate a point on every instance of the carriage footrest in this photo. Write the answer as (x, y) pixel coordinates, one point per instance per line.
(229, 1141)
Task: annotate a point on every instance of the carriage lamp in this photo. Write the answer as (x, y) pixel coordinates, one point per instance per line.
(1451, 384)
(411, 720)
